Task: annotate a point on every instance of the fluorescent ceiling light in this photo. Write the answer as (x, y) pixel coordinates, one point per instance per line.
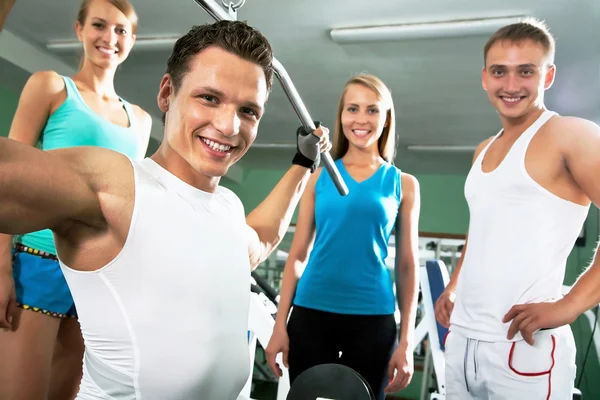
(141, 43)
(441, 148)
(441, 29)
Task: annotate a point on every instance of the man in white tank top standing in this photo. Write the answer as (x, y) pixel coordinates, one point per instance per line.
(156, 253)
(528, 191)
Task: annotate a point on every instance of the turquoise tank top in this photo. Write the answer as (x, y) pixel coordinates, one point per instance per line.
(346, 271)
(74, 123)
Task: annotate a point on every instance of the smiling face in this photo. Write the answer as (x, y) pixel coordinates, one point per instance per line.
(106, 33)
(364, 116)
(212, 118)
(515, 76)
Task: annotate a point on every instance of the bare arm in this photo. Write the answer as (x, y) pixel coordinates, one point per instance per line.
(456, 271)
(270, 220)
(407, 260)
(299, 251)
(445, 303)
(40, 189)
(581, 154)
(5, 252)
(454, 277)
(35, 105)
(582, 157)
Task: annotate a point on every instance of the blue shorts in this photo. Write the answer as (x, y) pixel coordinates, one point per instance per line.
(40, 284)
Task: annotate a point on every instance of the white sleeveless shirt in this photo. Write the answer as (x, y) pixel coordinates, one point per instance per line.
(168, 317)
(520, 236)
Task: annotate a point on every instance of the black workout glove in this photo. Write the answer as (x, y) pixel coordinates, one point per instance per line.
(307, 148)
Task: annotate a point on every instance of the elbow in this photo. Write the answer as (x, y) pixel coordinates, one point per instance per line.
(408, 267)
(296, 262)
(277, 237)
(253, 265)
(269, 241)
(259, 256)
(270, 238)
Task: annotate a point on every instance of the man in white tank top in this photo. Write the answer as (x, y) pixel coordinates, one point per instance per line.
(157, 254)
(528, 192)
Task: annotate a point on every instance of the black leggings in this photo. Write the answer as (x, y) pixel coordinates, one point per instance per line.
(365, 341)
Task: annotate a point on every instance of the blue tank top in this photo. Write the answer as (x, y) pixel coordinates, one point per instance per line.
(74, 123)
(346, 271)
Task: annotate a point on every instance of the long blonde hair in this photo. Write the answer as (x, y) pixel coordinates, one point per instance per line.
(122, 5)
(387, 140)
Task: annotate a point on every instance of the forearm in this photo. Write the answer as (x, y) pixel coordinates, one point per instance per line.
(17, 205)
(454, 277)
(44, 189)
(407, 290)
(585, 293)
(288, 291)
(459, 263)
(272, 217)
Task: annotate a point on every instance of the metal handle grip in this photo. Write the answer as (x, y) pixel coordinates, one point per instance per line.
(219, 14)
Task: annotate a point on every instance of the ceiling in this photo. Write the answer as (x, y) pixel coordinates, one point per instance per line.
(435, 82)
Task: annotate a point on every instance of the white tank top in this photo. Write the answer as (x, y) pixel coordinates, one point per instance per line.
(168, 317)
(520, 236)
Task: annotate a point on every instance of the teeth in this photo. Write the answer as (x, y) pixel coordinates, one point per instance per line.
(107, 51)
(511, 99)
(216, 146)
(360, 132)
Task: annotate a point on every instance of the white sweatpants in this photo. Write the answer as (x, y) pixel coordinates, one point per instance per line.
(511, 370)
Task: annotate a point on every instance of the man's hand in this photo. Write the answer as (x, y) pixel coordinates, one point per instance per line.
(444, 306)
(403, 364)
(310, 145)
(324, 142)
(529, 318)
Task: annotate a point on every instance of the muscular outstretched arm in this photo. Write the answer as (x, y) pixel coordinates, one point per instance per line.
(41, 190)
(34, 108)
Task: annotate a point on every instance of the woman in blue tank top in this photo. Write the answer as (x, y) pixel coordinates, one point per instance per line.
(42, 351)
(336, 276)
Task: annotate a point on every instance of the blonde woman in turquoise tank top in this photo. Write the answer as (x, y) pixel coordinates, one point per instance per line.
(42, 353)
(337, 292)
